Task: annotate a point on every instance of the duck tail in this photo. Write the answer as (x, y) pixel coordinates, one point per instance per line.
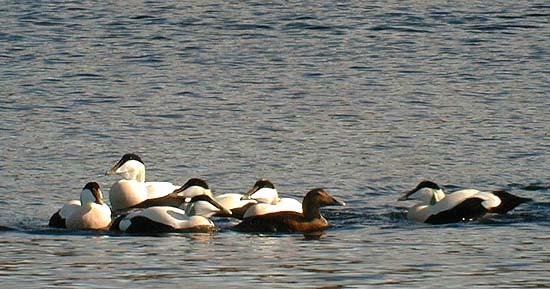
(57, 221)
(508, 202)
(116, 222)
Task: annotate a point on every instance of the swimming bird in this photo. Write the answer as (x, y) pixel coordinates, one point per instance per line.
(193, 187)
(164, 219)
(90, 212)
(266, 195)
(263, 191)
(235, 204)
(436, 207)
(289, 222)
(133, 189)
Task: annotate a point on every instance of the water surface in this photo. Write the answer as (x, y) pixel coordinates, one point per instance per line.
(363, 99)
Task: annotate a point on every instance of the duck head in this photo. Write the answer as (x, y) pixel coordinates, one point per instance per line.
(426, 192)
(193, 187)
(91, 193)
(263, 191)
(317, 198)
(204, 205)
(129, 167)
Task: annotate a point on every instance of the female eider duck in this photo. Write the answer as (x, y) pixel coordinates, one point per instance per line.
(164, 219)
(133, 189)
(270, 202)
(290, 222)
(88, 213)
(193, 187)
(459, 206)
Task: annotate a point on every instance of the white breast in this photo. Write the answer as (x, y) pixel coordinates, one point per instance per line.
(159, 189)
(127, 193)
(266, 195)
(89, 216)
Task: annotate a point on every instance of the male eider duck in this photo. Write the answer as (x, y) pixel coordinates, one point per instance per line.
(164, 219)
(460, 206)
(193, 187)
(235, 204)
(263, 192)
(290, 222)
(268, 200)
(88, 213)
(261, 199)
(133, 189)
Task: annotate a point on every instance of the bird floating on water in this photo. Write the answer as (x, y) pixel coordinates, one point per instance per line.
(132, 188)
(310, 220)
(90, 212)
(436, 207)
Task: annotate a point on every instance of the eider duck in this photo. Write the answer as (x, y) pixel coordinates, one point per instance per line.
(460, 206)
(263, 192)
(90, 212)
(291, 222)
(268, 199)
(166, 219)
(133, 189)
(193, 187)
(235, 204)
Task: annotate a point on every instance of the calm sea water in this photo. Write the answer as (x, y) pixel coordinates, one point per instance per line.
(365, 99)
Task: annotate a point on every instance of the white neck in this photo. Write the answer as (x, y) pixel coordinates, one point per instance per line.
(201, 208)
(437, 196)
(266, 195)
(132, 170)
(86, 196)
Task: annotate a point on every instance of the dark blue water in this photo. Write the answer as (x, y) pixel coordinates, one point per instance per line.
(365, 99)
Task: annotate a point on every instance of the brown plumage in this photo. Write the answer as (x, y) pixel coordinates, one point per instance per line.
(171, 200)
(292, 222)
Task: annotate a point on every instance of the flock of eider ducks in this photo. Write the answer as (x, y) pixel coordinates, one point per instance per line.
(161, 207)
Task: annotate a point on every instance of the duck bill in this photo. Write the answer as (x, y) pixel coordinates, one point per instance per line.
(405, 197)
(250, 192)
(222, 209)
(179, 190)
(336, 202)
(113, 170)
(210, 200)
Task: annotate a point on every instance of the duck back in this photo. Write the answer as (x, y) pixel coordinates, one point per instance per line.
(285, 222)
(470, 209)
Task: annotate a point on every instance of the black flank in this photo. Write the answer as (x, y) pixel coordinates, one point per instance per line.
(144, 225)
(56, 221)
(116, 222)
(470, 209)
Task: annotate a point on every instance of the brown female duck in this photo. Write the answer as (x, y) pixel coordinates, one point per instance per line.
(292, 222)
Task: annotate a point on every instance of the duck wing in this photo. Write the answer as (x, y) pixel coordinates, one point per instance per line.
(469, 209)
(284, 222)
